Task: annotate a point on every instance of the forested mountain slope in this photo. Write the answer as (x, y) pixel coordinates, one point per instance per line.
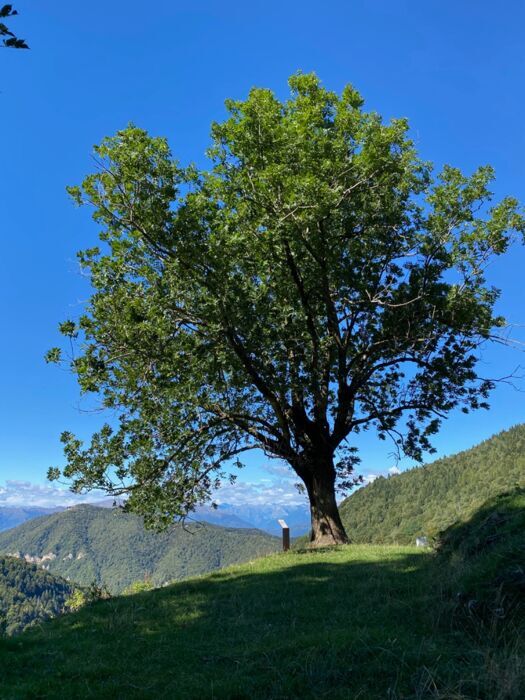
(28, 595)
(426, 500)
(112, 548)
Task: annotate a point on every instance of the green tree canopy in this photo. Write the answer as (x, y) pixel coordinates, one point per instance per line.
(317, 280)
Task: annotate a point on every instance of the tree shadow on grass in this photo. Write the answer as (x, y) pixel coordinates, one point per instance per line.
(487, 564)
(318, 624)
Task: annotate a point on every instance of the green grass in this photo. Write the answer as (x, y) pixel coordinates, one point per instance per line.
(353, 622)
(364, 622)
(485, 555)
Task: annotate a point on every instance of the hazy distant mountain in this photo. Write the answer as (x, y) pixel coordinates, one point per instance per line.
(87, 544)
(263, 517)
(224, 518)
(11, 516)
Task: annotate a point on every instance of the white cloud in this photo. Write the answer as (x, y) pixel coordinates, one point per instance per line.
(25, 493)
(264, 491)
(278, 488)
(280, 470)
(369, 478)
(280, 491)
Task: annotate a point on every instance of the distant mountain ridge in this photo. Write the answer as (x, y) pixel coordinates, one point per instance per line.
(11, 516)
(252, 516)
(261, 516)
(426, 500)
(91, 544)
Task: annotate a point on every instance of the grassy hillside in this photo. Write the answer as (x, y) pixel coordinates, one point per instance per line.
(486, 554)
(426, 500)
(28, 595)
(87, 544)
(361, 621)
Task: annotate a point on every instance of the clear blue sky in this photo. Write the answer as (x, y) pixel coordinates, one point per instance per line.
(455, 69)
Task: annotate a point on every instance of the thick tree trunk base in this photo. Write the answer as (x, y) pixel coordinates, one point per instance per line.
(325, 543)
(327, 527)
(327, 535)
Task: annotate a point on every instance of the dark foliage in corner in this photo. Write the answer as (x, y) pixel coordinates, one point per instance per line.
(10, 40)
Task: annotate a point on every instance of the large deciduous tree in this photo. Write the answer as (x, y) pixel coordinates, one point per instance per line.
(315, 281)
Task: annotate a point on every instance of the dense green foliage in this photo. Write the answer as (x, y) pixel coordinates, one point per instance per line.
(29, 595)
(114, 549)
(358, 621)
(316, 280)
(426, 500)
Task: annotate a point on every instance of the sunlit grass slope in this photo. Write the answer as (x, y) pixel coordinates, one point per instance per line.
(359, 621)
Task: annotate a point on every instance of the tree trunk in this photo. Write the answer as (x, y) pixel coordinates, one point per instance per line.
(327, 527)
